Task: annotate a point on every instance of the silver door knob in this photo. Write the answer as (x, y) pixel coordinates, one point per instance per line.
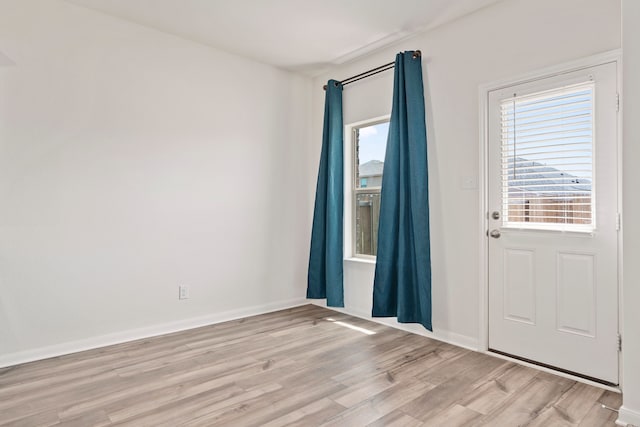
(495, 234)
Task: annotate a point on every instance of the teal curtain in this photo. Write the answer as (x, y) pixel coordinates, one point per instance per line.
(325, 260)
(402, 283)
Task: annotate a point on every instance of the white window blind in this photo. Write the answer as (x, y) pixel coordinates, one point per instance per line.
(547, 159)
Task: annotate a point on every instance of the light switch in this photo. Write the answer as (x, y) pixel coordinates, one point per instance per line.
(469, 183)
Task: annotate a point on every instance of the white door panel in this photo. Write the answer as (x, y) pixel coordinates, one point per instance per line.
(553, 287)
(519, 285)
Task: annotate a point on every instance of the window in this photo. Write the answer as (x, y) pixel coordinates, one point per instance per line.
(547, 159)
(369, 145)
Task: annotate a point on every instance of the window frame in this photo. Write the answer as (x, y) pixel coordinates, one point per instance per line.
(352, 189)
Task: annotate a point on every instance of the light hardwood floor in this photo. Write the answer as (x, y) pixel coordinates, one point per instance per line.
(302, 366)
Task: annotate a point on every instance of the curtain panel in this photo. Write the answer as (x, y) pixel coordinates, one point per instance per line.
(325, 275)
(402, 283)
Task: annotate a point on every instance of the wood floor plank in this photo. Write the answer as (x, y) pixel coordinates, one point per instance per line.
(134, 387)
(379, 405)
(396, 418)
(41, 419)
(364, 389)
(454, 379)
(305, 366)
(94, 419)
(611, 399)
(311, 414)
(453, 416)
(492, 390)
(261, 411)
(598, 416)
(194, 407)
(527, 403)
(571, 407)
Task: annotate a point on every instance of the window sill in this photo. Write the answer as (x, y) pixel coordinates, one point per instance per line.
(361, 260)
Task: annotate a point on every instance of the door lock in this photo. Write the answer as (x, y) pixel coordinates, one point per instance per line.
(495, 215)
(495, 233)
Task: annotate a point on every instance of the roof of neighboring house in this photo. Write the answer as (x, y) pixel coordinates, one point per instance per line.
(535, 176)
(371, 168)
(541, 178)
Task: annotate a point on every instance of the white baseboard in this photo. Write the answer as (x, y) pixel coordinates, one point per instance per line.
(628, 417)
(140, 333)
(449, 337)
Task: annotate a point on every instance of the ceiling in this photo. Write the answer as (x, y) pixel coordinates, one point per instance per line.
(300, 35)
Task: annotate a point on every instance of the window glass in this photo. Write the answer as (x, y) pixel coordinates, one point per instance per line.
(370, 142)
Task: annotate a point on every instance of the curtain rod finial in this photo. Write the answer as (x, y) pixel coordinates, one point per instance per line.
(324, 87)
(417, 54)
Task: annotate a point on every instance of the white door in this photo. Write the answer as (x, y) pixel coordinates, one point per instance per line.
(552, 196)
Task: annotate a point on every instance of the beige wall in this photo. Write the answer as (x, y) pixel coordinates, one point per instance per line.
(630, 411)
(131, 162)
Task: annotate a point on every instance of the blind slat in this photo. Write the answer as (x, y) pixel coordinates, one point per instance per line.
(553, 158)
(546, 199)
(522, 185)
(549, 193)
(540, 141)
(568, 119)
(549, 130)
(583, 168)
(543, 114)
(553, 98)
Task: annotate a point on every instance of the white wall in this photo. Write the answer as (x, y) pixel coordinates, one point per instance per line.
(630, 411)
(132, 161)
(500, 42)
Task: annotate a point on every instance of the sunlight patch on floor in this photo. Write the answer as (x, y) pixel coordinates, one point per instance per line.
(350, 326)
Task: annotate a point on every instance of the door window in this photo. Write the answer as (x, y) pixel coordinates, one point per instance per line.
(547, 159)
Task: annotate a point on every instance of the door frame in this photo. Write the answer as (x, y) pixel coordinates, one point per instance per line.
(483, 100)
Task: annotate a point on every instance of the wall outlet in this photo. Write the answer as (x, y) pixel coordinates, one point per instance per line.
(183, 292)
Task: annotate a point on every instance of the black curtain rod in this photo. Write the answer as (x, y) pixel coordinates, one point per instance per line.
(372, 72)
